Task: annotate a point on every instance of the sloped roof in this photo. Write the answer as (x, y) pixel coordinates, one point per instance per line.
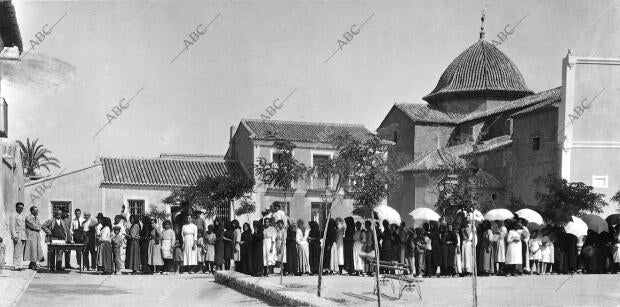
(435, 160)
(485, 180)
(10, 35)
(302, 131)
(206, 157)
(492, 144)
(481, 70)
(163, 171)
(426, 113)
(546, 103)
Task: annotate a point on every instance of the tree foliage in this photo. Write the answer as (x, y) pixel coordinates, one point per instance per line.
(36, 157)
(284, 170)
(573, 198)
(209, 192)
(457, 195)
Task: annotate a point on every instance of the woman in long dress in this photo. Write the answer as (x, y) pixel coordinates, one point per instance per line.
(132, 256)
(291, 249)
(302, 247)
(257, 246)
(190, 252)
(369, 247)
(501, 246)
(236, 244)
(467, 248)
(219, 245)
(155, 255)
(348, 244)
(513, 251)
(359, 240)
(314, 240)
(104, 254)
(387, 246)
(229, 237)
(246, 250)
(487, 259)
(332, 238)
(281, 244)
(340, 244)
(145, 239)
(449, 241)
(269, 239)
(167, 246)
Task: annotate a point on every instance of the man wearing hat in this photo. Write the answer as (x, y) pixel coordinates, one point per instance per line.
(200, 223)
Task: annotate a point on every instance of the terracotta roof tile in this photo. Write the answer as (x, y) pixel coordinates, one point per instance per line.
(163, 171)
(435, 160)
(481, 70)
(426, 113)
(302, 131)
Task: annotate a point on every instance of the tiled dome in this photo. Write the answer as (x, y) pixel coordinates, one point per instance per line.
(481, 71)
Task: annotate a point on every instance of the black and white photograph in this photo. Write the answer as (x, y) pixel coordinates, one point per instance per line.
(309, 153)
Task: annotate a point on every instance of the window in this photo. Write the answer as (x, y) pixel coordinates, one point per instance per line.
(62, 206)
(320, 182)
(600, 182)
(223, 212)
(136, 207)
(535, 143)
(318, 213)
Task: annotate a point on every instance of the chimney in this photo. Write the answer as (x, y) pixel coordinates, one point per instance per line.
(232, 130)
(4, 118)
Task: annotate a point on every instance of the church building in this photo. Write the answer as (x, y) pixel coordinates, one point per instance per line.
(483, 115)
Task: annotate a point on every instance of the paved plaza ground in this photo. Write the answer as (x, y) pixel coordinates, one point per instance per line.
(547, 290)
(88, 289)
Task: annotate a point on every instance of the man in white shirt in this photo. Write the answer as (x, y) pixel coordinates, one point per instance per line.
(278, 214)
(76, 223)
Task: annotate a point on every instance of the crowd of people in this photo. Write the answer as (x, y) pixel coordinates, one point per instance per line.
(144, 245)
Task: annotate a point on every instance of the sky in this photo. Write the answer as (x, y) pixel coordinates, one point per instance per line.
(180, 92)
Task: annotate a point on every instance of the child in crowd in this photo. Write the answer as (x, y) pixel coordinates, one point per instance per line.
(546, 253)
(420, 252)
(167, 246)
(209, 249)
(178, 249)
(535, 252)
(117, 243)
(200, 250)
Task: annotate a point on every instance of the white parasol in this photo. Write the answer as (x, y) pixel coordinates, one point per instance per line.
(498, 215)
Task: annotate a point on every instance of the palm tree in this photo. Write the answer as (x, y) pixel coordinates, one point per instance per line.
(35, 157)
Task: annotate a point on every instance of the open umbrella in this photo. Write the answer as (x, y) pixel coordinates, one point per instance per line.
(385, 212)
(425, 214)
(577, 227)
(613, 219)
(531, 216)
(498, 215)
(595, 223)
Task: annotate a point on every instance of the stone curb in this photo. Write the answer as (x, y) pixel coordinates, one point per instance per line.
(268, 291)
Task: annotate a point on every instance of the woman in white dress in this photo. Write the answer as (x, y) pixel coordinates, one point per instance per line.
(340, 243)
(269, 246)
(237, 244)
(303, 250)
(514, 259)
(467, 248)
(189, 232)
(359, 240)
(501, 247)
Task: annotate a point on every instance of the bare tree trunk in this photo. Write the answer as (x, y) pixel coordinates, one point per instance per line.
(374, 235)
(329, 215)
(281, 260)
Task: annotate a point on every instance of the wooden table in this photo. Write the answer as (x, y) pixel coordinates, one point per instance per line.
(78, 247)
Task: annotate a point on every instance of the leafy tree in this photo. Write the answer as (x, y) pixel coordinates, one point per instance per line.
(616, 197)
(160, 215)
(457, 195)
(36, 157)
(209, 192)
(362, 170)
(282, 172)
(568, 198)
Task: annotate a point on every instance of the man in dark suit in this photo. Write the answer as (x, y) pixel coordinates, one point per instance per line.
(66, 218)
(55, 230)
